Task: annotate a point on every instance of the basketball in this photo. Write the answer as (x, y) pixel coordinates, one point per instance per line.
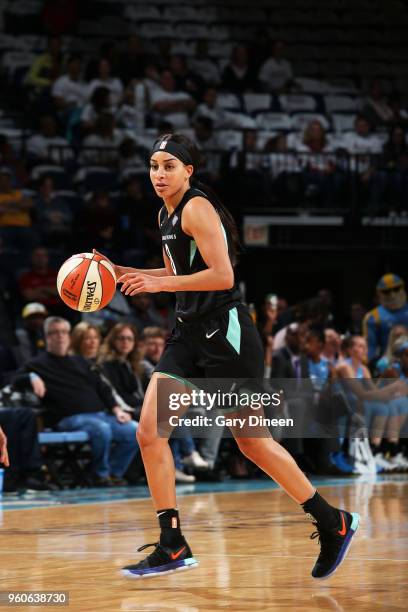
(86, 282)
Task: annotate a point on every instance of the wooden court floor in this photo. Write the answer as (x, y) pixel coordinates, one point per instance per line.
(253, 547)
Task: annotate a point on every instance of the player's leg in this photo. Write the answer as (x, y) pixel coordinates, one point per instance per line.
(335, 527)
(172, 552)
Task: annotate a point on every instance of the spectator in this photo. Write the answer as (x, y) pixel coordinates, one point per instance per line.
(209, 146)
(269, 315)
(101, 147)
(100, 103)
(47, 66)
(170, 104)
(132, 60)
(144, 314)
(362, 144)
(30, 335)
(23, 468)
(130, 160)
(69, 90)
(332, 345)
(356, 318)
(99, 219)
(203, 65)
(185, 79)
(11, 160)
(127, 115)
(220, 117)
(53, 215)
(39, 284)
(138, 214)
(78, 400)
(153, 341)
(121, 363)
(377, 109)
(86, 341)
(15, 218)
(395, 153)
(318, 366)
(105, 79)
(386, 360)
(45, 146)
(276, 72)
(238, 75)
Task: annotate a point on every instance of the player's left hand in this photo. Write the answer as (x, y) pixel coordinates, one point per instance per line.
(137, 282)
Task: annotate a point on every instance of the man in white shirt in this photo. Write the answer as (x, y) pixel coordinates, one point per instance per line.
(101, 147)
(39, 145)
(276, 71)
(105, 79)
(169, 104)
(70, 91)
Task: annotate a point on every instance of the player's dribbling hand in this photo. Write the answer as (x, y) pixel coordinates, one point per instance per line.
(121, 415)
(4, 459)
(114, 266)
(137, 282)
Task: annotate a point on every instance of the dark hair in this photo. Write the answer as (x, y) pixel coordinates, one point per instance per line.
(318, 332)
(226, 217)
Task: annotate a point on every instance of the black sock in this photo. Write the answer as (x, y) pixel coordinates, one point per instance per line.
(392, 448)
(170, 532)
(325, 515)
(375, 448)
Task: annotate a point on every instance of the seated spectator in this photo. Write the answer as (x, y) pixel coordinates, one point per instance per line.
(47, 66)
(204, 65)
(127, 114)
(220, 117)
(164, 304)
(332, 345)
(364, 145)
(99, 219)
(121, 363)
(47, 146)
(101, 147)
(138, 216)
(99, 104)
(30, 334)
(106, 79)
(153, 340)
(15, 219)
(323, 183)
(143, 313)
(355, 319)
(376, 108)
(209, 146)
(39, 284)
(395, 153)
(386, 360)
(70, 90)
(169, 103)
(86, 341)
(20, 452)
(131, 62)
(238, 75)
(276, 72)
(185, 79)
(77, 399)
(12, 160)
(380, 403)
(130, 159)
(53, 215)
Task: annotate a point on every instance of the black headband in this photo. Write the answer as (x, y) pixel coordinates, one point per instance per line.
(176, 149)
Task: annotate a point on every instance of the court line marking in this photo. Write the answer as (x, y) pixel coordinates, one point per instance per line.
(221, 555)
(201, 493)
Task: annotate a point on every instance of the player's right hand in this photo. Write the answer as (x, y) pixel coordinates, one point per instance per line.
(116, 268)
(38, 386)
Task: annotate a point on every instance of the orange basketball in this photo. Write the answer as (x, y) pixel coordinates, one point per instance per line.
(86, 282)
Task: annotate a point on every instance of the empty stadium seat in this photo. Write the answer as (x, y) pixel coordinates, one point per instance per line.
(301, 120)
(94, 178)
(274, 121)
(343, 122)
(254, 102)
(59, 174)
(294, 102)
(341, 104)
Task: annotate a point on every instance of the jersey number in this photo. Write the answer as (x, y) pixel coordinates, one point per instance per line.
(173, 267)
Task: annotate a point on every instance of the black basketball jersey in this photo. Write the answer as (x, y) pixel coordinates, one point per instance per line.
(185, 258)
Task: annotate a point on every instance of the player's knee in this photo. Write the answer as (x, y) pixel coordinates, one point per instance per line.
(250, 447)
(146, 436)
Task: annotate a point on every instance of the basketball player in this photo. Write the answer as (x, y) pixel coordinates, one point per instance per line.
(214, 337)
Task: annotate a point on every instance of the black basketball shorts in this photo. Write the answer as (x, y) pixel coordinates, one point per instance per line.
(227, 345)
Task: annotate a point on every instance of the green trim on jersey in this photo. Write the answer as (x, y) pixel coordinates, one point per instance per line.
(234, 330)
(224, 234)
(193, 250)
(184, 381)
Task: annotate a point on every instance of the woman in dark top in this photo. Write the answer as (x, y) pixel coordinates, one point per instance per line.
(121, 363)
(238, 75)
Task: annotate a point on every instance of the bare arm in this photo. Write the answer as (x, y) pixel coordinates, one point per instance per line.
(202, 223)
(386, 393)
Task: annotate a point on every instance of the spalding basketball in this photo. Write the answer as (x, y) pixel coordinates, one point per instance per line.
(86, 282)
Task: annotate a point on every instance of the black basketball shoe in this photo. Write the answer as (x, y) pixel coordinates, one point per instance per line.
(334, 544)
(161, 561)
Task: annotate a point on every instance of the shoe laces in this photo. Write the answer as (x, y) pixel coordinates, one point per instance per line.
(147, 546)
(323, 539)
